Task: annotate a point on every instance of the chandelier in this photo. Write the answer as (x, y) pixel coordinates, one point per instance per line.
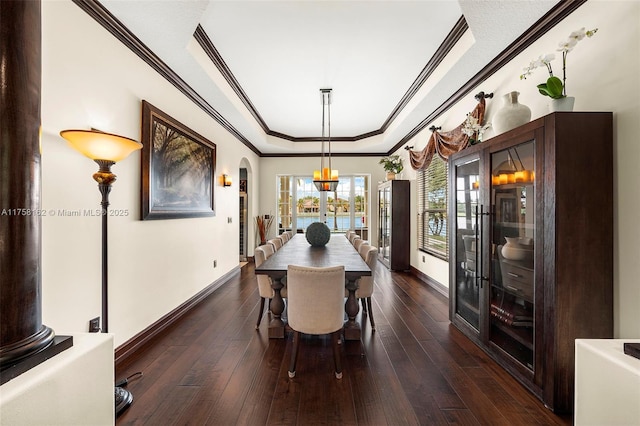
(326, 179)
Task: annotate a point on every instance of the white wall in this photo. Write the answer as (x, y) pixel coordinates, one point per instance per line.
(91, 80)
(602, 73)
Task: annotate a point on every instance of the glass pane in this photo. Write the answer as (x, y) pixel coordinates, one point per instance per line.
(361, 206)
(284, 204)
(307, 203)
(384, 237)
(467, 257)
(512, 261)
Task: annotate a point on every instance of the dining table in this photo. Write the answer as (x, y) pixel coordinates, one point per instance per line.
(297, 251)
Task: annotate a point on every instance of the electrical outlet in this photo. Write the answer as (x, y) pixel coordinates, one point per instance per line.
(229, 220)
(422, 259)
(94, 325)
(215, 263)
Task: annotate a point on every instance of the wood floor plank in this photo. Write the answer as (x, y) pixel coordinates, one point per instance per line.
(213, 367)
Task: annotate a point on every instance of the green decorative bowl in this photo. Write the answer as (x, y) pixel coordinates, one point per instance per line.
(318, 234)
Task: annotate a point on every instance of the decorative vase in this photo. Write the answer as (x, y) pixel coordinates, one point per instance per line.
(391, 176)
(517, 248)
(318, 234)
(562, 104)
(511, 115)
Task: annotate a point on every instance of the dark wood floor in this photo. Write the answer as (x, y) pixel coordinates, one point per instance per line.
(214, 368)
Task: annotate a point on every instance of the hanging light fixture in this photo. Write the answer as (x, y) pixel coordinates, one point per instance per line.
(326, 179)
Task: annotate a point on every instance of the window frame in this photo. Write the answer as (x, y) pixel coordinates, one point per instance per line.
(423, 230)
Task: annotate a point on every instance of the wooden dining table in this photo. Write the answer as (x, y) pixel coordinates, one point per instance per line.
(298, 251)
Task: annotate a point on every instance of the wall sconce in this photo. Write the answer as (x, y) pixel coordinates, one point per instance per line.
(226, 180)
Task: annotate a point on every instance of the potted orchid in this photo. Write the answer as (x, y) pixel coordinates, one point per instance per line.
(472, 128)
(554, 87)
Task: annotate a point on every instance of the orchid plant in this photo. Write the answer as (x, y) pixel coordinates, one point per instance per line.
(472, 128)
(554, 87)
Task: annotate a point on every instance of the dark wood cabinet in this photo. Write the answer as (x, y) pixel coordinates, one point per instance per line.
(394, 224)
(531, 216)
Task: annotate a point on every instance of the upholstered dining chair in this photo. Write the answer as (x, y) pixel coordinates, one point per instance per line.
(353, 236)
(348, 234)
(276, 243)
(363, 249)
(284, 237)
(315, 305)
(358, 242)
(366, 283)
(262, 253)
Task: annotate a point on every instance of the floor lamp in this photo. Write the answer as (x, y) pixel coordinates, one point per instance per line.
(105, 149)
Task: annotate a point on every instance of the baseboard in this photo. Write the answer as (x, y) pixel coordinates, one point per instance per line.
(440, 288)
(128, 348)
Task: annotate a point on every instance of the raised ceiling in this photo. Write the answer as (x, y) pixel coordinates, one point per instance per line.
(259, 65)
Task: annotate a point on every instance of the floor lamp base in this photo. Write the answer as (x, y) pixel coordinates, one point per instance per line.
(124, 398)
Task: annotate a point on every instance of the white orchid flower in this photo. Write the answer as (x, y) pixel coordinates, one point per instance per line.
(554, 87)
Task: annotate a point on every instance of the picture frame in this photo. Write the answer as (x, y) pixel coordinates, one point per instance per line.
(507, 207)
(178, 168)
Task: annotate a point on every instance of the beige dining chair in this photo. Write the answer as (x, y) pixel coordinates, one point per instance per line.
(315, 305)
(284, 237)
(353, 237)
(358, 242)
(364, 248)
(262, 253)
(366, 283)
(276, 243)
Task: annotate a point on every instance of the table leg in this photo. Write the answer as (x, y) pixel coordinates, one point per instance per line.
(351, 307)
(276, 326)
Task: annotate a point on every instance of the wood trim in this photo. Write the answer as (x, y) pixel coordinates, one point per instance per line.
(98, 12)
(449, 42)
(537, 30)
(443, 50)
(439, 287)
(134, 344)
(122, 33)
(207, 45)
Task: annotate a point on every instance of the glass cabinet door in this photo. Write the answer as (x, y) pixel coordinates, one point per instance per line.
(513, 228)
(467, 256)
(384, 230)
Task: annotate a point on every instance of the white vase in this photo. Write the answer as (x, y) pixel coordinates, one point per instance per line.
(517, 248)
(562, 104)
(511, 115)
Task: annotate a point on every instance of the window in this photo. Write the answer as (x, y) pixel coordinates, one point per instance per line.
(300, 203)
(432, 209)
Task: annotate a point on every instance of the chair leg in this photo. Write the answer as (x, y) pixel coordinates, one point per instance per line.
(260, 312)
(364, 305)
(294, 354)
(373, 324)
(335, 337)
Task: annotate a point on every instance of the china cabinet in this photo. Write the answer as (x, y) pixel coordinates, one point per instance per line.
(531, 212)
(394, 224)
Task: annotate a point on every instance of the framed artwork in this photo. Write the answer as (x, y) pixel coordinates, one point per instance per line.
(178, 168)
(507, 207)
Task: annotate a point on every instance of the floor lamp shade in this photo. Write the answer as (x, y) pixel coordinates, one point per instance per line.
(99, 145)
